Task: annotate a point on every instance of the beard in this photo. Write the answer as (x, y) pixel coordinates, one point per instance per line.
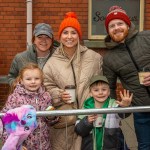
(119, 37)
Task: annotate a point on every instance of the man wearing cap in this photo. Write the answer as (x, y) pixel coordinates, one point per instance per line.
(39, 52)
(128, 54)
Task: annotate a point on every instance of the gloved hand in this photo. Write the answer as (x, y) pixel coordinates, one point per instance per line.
(51, 120)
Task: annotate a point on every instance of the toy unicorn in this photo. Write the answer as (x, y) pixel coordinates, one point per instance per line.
(18, 123)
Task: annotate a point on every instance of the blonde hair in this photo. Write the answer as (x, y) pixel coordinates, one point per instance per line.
(29, 66)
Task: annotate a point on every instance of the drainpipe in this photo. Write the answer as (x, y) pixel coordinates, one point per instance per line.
(29, 22)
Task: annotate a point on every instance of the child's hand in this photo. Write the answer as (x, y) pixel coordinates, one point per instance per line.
(92, 118)
(126, 98)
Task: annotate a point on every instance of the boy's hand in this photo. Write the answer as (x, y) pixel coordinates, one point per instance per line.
(126, 98)
(92, 118)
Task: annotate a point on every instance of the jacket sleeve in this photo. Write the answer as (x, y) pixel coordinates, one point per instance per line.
(123, 115)
(83, 128)
(14, 71)
(47, 101)
(112, 78)
(50, 84)
(10, 103)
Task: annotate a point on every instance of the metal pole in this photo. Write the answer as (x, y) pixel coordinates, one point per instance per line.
(29, 22)
(91, 111)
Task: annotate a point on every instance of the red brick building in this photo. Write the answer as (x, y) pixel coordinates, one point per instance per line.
(13, 26)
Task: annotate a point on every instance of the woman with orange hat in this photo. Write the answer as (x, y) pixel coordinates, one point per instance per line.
(70, 64)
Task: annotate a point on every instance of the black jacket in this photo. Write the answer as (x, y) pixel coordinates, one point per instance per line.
(111, 141)
(118, 63)
(83, 129)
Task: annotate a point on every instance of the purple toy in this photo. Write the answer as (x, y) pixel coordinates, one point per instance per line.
(19, 123)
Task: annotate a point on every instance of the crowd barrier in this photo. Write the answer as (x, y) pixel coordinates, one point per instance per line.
(133, 143)
(91, 111)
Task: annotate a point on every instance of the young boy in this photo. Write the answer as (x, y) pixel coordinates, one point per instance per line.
(106, 133)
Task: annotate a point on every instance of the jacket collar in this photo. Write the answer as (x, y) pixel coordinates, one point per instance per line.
(58, 51)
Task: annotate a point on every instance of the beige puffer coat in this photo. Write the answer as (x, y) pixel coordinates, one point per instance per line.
(58, 73)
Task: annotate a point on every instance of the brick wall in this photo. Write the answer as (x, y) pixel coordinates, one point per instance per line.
(12, 31)
(4, 90)
(13, 25)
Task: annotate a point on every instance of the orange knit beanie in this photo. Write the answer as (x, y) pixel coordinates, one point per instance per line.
(70, 20)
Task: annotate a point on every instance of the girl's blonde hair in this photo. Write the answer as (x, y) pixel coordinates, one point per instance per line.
(29, 66)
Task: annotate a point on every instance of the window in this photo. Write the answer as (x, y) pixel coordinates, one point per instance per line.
(98, 9)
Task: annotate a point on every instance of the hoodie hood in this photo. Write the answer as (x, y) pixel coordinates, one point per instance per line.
(111, 44)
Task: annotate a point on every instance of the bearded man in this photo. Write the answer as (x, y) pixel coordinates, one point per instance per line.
(128, 54)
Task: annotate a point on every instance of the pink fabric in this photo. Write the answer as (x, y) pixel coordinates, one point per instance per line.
(19, 123)
(40, 101)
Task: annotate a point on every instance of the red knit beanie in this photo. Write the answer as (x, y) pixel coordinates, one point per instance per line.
(70, 20)
(116, 12)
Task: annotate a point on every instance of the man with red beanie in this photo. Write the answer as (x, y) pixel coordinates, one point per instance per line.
(128, 54)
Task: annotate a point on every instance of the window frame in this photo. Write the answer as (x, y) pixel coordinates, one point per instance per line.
(102, 36)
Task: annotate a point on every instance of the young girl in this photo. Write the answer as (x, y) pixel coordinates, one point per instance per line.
(29, 90)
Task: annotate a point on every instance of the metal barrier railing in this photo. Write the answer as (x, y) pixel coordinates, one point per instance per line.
(91, 111)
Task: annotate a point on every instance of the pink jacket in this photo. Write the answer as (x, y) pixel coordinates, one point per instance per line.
(40, 100)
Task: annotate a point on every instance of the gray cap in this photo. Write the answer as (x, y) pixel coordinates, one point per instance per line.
(43, 28)
(98, 78)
